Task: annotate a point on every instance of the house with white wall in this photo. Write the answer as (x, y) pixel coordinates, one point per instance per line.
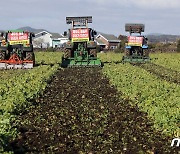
(58, 42)
(45, 39)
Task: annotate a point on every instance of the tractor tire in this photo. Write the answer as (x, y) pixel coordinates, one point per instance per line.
(67, 53)
(2, 55)
(33, 57)
(93, 53)
(146, 53)
(30, 56)
(127, 52)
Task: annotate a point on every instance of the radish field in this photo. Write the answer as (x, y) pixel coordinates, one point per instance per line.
(119, 108)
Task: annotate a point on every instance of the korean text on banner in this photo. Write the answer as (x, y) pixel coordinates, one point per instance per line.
(80, 35)
(135, 41)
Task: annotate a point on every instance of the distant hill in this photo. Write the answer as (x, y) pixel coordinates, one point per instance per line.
(155, 37)
(54, 35)
(162, 38)
(30, 29)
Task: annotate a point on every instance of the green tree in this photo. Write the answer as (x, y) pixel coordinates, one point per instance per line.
(123, 42)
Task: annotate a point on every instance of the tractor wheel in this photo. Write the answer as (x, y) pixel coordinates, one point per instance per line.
(2, 55)
(127, 52)
(67, 53)
(33, 57)
(93, 53)
(30, 56)
(146, 53)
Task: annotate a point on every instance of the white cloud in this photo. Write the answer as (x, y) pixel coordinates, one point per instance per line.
(151, 4)
(164, 4)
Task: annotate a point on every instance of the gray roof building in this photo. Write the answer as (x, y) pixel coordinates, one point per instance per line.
(109, 37)
(107, 41)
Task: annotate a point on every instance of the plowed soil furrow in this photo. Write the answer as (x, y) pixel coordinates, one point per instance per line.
(162, 72)
(80, 112)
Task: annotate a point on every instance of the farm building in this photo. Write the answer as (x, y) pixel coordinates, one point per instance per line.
(107, 41)
(45, 39)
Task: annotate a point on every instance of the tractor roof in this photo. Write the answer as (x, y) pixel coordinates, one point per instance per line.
(134, 28)
(83, 19)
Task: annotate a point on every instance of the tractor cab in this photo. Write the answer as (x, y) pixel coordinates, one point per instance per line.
(80, 50)
(137, 45)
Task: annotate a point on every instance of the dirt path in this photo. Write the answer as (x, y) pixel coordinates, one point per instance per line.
(81, 112)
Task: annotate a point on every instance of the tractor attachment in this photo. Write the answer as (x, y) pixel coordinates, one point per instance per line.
(81, 47)
(71, 62)
(135, 59)
(81, 57)
(15, 63)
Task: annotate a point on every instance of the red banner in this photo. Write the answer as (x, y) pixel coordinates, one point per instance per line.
(80, 34)
(134, 40)
(17, 36)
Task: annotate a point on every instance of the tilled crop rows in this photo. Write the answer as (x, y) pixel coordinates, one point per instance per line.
(80, 112)
(162, 72)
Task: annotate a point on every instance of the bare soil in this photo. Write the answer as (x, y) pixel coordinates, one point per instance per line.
(80, 112)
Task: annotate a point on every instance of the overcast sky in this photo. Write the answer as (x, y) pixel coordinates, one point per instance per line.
(109, 16)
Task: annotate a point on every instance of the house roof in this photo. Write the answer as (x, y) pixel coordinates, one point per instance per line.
(41, 33)
(53, 35)
(99, 42)
(109, 37)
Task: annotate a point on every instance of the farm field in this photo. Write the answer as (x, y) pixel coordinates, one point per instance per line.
(168, 60)
(152, 93)
(18, 87)
(120, 108)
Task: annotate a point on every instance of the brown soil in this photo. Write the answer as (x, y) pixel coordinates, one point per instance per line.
(80, 112)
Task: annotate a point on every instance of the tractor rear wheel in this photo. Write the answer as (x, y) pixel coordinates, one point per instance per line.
(146, 53)
(127, 52)
(2, 55)
(67, 53)
(30, 56)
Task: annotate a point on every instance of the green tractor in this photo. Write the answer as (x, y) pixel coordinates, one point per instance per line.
(136, 49)
(80, 50)
(16, 50)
